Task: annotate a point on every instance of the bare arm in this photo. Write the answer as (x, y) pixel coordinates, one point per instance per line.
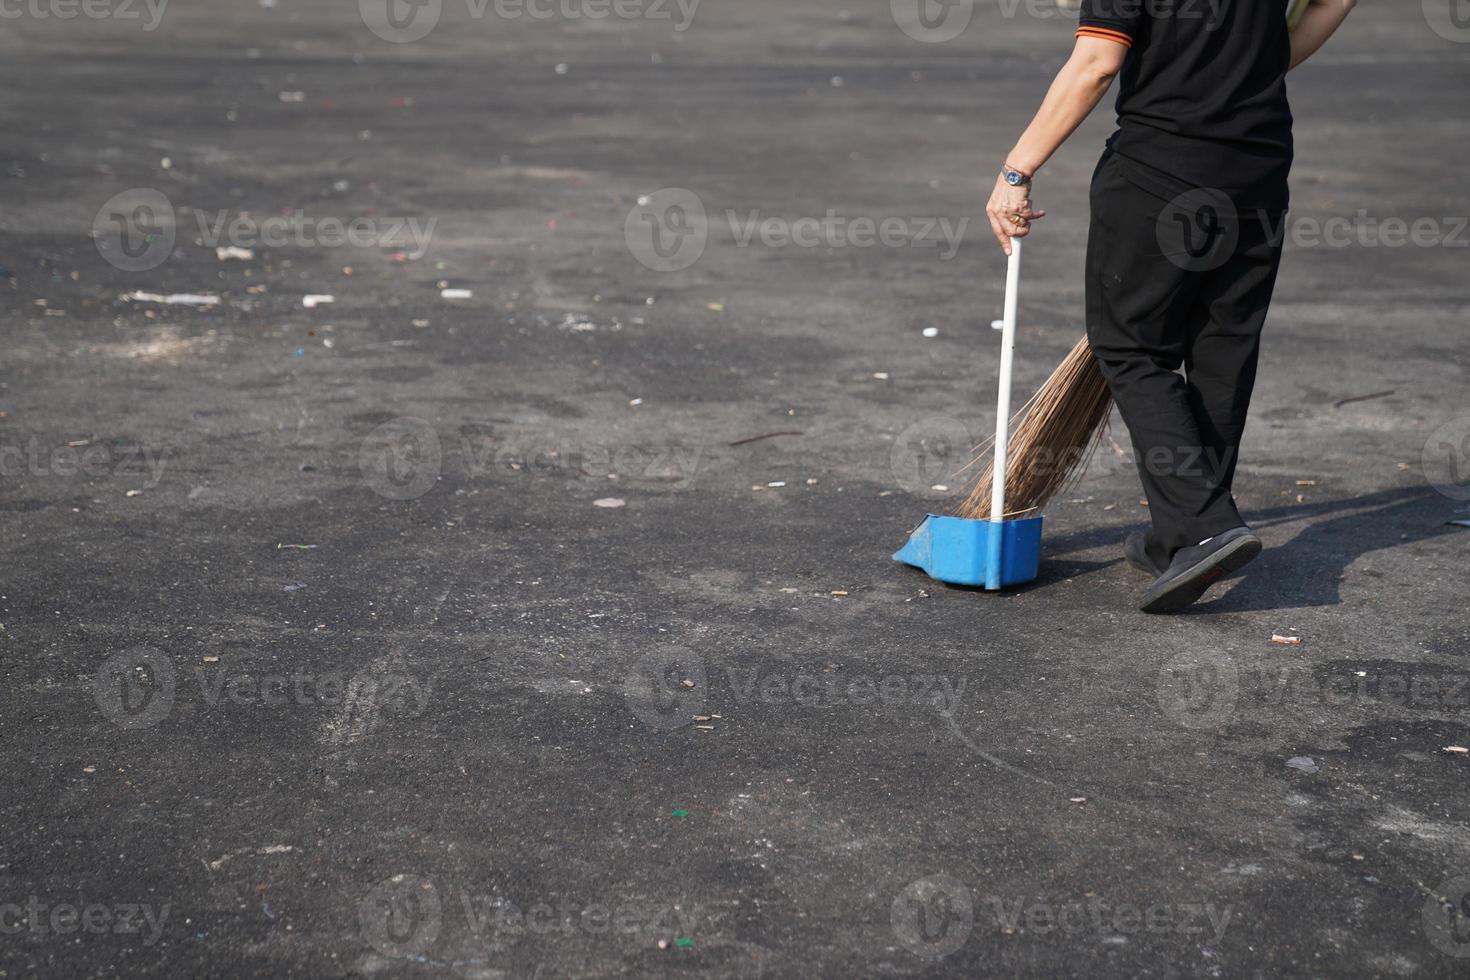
(1321, 21)
(1075, 92)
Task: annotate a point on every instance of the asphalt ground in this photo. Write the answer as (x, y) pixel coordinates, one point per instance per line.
(323, 659)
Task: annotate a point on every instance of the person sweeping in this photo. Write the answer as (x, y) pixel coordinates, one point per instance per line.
(1188, 204)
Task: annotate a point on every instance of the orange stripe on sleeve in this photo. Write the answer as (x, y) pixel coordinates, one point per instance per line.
(1106, 34)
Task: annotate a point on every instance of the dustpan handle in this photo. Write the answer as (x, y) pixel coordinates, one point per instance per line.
(1003, 400)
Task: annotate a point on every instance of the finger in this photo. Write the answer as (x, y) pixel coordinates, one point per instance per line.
(1000, 233)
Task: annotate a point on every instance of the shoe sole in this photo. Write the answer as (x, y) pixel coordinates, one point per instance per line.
(1188, 587)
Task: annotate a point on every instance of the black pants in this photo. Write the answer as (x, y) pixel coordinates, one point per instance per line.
(1181, 282)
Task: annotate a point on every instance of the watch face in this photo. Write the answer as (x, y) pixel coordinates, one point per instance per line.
(1013, 178)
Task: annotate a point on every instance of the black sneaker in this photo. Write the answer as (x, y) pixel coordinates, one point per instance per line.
(1196, 568)
(1135, 549)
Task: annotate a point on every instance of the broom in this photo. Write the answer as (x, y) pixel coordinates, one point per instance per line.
(1052, 436)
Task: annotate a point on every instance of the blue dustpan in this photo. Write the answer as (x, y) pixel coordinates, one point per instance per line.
(965, 552)
(997, 552)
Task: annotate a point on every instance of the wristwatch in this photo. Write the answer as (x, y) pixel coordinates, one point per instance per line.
(1014, 177)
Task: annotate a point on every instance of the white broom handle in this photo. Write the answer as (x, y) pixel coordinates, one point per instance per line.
(1003, 400)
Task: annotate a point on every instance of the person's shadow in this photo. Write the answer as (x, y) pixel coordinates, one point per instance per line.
(1306, 571)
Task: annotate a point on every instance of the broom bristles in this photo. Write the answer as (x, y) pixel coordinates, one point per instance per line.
(1051, 438)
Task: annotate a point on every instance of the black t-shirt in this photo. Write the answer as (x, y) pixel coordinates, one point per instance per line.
(1202, 95)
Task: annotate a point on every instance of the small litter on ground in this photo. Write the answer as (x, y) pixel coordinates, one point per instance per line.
(1290, 641)
(456, 294)
(609, 502)
(312, 300)
(226, 252)
(1303, 763)
(173, 299)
